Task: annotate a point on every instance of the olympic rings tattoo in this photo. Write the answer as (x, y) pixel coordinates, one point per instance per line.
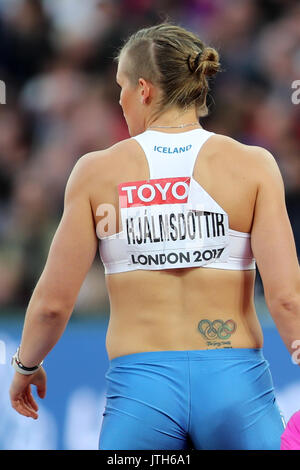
(217, 329)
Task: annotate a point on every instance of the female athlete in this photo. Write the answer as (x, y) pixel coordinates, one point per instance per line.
(183, 217)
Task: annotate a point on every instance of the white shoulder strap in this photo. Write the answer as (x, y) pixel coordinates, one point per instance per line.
(172, 155)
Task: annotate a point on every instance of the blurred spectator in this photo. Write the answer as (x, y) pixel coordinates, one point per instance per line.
(56, 57)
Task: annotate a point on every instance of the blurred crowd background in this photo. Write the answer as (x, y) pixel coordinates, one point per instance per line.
(56, 59)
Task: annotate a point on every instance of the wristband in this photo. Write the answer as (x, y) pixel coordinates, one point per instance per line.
(19, 367)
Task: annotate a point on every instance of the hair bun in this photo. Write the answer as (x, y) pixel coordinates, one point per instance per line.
(210, 62)
(205, 62)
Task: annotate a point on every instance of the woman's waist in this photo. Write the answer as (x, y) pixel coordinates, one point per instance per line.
(186, 355)
(192, 332)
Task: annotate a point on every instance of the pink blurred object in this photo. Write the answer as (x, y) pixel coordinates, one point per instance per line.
(290, 438)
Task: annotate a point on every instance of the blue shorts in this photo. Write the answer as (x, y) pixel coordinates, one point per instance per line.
(202, 399)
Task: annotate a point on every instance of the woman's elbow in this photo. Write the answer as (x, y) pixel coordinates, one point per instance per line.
(284, 303)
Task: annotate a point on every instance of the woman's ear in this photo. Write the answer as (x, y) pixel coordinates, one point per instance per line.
(145, 90)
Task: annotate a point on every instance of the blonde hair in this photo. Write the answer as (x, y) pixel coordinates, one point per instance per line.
(174, 59)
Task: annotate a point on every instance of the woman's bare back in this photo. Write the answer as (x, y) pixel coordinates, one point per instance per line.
(190, 308)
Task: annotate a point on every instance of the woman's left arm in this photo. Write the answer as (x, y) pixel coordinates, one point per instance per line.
(70, 257)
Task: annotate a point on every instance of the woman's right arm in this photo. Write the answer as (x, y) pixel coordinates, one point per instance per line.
(275, 252)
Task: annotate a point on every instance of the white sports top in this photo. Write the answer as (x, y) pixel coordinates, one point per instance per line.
(169, 220)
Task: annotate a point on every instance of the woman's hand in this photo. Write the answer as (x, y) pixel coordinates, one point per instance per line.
(20, 392)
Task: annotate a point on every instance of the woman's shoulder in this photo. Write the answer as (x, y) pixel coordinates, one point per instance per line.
(227, 143)
(231, 151)
(103, 157)
(102, 168)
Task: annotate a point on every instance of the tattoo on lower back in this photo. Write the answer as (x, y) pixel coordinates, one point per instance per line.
(217, 332)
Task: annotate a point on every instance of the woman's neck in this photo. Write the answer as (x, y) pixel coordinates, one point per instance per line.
(174, 118)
